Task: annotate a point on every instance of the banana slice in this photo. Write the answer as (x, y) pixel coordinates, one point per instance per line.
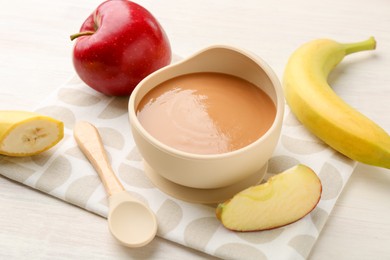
(24, 133)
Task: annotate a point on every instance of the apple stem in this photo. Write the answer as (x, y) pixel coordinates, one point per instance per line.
(76, 35)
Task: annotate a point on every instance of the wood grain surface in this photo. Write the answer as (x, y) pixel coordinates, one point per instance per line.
(35, 58)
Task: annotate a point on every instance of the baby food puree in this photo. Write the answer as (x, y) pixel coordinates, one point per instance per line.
(206, 113)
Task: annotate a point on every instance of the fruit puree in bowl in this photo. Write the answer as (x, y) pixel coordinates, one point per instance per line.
(206, 112)
(229, 118)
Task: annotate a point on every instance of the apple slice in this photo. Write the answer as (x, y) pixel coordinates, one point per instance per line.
(283, 199)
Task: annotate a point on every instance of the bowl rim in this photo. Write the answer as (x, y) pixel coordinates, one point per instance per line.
(179, 153)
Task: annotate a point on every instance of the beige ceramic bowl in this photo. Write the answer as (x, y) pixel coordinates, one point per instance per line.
(218, 170)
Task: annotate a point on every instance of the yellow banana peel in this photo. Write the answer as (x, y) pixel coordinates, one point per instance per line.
(325, 114)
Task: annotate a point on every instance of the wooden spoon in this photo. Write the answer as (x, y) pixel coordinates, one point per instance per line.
(131, 222)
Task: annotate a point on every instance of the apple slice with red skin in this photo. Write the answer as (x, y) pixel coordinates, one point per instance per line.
(282, 200)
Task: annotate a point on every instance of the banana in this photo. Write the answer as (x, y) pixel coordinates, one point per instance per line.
(24, 133)
(325, 114)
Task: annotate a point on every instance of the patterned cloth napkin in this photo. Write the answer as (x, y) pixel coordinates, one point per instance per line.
(65, 173)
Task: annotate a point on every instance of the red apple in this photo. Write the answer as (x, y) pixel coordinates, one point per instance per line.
(118, 45)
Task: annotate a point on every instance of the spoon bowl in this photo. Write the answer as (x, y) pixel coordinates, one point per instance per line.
(131, 222)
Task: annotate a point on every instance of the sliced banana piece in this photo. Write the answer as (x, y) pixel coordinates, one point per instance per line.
(24, 133)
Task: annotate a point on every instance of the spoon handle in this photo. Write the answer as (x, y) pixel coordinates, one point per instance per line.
(90, 143)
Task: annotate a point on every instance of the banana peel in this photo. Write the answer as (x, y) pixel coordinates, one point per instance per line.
(325, 114)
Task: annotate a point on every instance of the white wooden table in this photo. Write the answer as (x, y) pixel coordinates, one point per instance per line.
(35, 58)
